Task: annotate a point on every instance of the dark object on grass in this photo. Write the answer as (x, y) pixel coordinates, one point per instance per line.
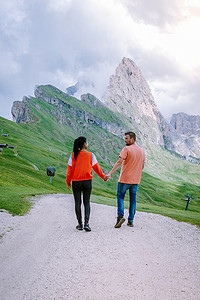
(4, 135)
(188, 199)
(3, 145)
(51, 172)
(11, 147)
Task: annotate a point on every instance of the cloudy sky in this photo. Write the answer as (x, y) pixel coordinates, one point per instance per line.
(61, 42)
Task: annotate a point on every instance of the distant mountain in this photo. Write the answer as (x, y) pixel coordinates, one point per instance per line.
(128, 93)
(80, 87)
(71, 90)
(186, 124)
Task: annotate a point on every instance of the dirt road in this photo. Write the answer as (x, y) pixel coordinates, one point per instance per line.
(43, 256)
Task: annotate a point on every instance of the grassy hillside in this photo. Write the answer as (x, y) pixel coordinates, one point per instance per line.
(49, 143)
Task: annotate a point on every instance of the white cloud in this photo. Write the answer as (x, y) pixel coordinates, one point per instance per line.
(62, 41)
(59, 5)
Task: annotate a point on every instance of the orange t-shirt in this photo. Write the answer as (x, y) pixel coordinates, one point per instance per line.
(81, 169)
(132, 164)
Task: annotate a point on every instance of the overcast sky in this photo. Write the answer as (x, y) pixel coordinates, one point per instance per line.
(60, 42)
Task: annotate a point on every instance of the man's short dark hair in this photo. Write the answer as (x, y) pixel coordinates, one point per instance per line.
(131, 134)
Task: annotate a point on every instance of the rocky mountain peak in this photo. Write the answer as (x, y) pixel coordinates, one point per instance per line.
(128, 91)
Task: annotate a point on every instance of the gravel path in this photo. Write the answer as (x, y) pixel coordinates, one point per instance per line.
(43, 256)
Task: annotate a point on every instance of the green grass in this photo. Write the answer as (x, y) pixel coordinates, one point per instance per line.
(180, 215)
(165, 180)
(159, 197)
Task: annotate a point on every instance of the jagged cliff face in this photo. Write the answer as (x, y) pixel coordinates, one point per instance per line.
(185, 124)
(189, 129)
(128, 93)
(21, 113)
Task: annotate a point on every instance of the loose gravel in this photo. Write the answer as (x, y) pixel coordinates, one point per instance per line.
(43, 256)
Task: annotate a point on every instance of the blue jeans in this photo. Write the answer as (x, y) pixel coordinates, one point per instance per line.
(121, 191)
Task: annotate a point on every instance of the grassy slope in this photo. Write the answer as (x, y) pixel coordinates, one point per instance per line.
(48, 143)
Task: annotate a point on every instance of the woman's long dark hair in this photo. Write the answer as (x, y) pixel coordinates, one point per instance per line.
(78, 145)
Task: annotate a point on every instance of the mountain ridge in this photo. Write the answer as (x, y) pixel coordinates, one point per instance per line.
(128, 93)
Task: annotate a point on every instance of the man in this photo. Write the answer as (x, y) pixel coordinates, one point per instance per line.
(132, 159)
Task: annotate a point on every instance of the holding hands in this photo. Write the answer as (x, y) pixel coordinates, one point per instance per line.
(108, 176)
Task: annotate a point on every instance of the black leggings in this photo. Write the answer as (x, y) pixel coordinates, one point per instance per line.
(84, 186)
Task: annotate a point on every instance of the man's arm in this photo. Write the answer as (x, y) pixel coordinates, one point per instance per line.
(116, 166)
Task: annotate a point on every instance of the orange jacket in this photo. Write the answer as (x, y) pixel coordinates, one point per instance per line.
(81, 169)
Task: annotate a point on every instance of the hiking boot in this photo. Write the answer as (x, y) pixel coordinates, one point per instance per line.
(87, 227)
(120, 221)
(130, 224)
(79, 227)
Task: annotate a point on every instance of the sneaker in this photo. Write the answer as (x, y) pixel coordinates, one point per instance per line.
(79, 227)
(130, 224)
(120, 221)
(87, 227)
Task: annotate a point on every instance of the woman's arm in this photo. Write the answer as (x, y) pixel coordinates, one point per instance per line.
(69, 173)
(98, 170)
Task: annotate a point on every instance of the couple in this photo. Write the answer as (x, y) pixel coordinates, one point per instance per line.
(79, 171)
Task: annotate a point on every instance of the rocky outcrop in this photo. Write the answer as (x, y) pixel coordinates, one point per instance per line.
(186, 124)
(188, 128)
(89, 98)
(21, 112)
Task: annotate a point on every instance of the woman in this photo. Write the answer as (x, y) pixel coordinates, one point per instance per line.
(79, 170)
